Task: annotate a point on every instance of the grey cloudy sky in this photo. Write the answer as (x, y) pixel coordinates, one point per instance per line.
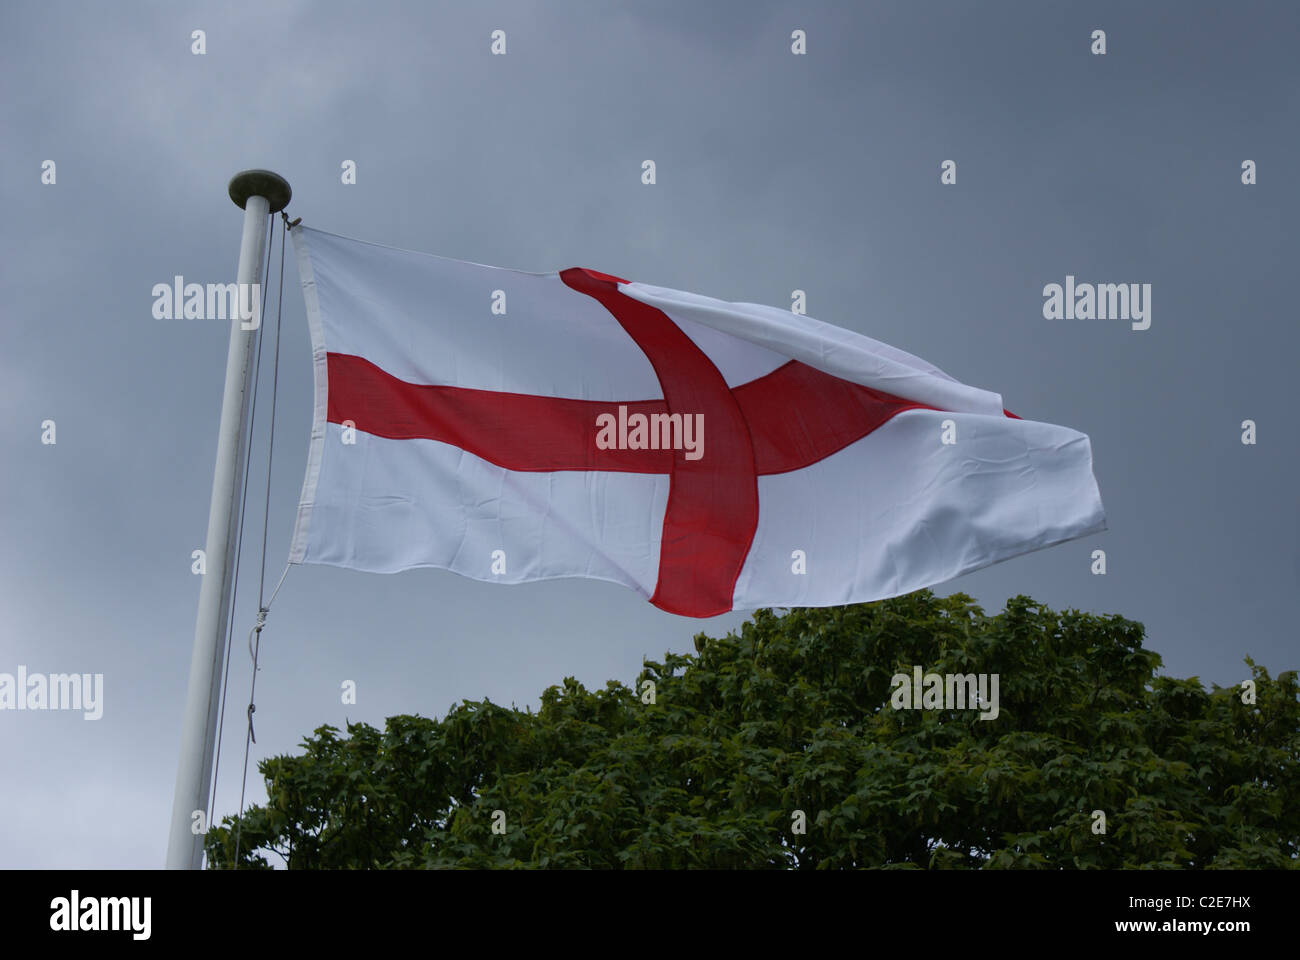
(775, 172)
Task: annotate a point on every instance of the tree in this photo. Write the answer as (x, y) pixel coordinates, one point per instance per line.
(795, 714)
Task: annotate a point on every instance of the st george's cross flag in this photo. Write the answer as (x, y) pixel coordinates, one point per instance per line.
(712, 456)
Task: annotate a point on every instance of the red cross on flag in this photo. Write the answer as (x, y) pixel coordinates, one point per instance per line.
(712, 456)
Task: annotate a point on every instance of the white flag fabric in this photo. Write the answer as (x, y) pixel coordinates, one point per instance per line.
(712, 456)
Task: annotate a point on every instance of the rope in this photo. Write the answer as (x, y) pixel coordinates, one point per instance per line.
(278, 585)
(275, 390)
(239, 539)
(255, 634)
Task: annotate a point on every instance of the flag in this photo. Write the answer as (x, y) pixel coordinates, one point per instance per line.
(712, 456)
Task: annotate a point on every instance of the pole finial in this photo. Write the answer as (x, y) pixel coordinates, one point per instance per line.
(260, 183)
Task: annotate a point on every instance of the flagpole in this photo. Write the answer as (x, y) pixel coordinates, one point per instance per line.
(259, 192)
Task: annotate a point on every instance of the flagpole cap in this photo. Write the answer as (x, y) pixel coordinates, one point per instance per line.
(260, 183)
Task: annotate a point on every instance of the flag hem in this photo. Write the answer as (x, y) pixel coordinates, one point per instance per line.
(320, 379)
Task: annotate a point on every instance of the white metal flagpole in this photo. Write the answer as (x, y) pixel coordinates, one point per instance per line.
(259, 192)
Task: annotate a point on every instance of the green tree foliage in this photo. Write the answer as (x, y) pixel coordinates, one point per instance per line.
(794, 714)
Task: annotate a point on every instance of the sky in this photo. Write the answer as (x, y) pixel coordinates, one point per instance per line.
(774, 172)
